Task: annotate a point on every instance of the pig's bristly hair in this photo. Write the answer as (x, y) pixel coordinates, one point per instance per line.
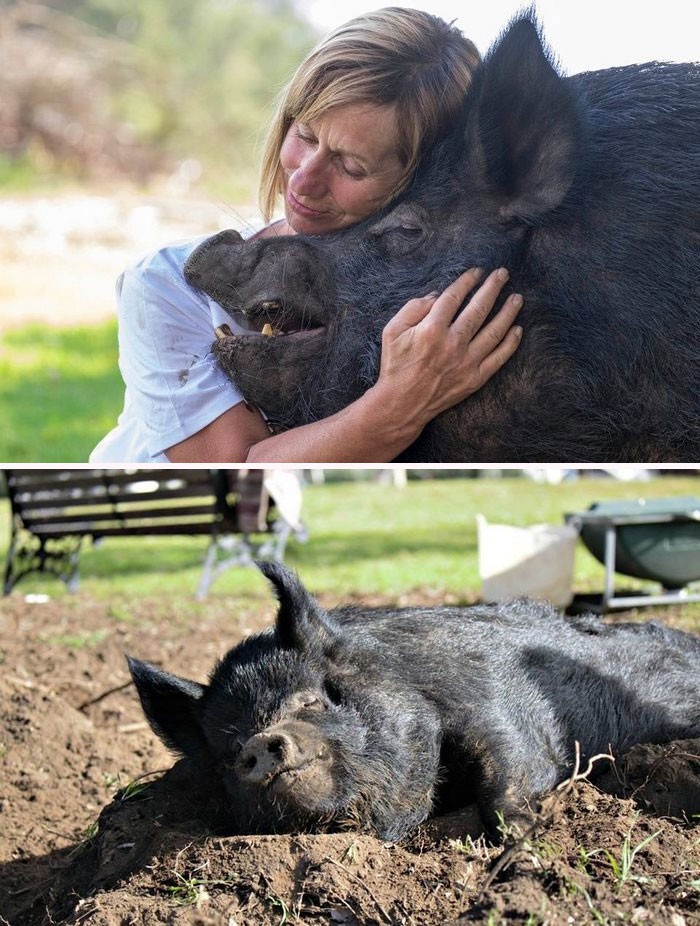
(302, 624)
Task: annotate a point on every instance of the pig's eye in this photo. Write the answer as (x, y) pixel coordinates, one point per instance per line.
(404, 233)
(312, 703)
(402, 239)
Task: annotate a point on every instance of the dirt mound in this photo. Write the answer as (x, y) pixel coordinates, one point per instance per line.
(73, 852)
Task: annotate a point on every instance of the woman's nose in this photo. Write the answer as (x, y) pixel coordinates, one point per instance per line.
(309, 176)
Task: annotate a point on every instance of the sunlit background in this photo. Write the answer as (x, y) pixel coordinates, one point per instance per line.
(586, 34)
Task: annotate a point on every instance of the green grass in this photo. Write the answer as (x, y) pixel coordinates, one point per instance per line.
(60, 392)
(364, 538)
(21, 176)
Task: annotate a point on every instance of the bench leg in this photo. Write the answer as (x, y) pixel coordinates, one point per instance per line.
(28, 553)
(274, 547)
(224, 551)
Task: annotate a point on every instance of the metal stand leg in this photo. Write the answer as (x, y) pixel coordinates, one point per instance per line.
(610, 542)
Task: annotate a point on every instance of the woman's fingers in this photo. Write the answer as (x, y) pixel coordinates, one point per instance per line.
(439, 348)
(409, 315)
(504, 350)
(444, 308)
(490, 336)
(481, 303)
(451, 299)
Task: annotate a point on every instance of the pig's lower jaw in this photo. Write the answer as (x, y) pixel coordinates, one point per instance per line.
(278, 335)
(295, 334)
(308, 788)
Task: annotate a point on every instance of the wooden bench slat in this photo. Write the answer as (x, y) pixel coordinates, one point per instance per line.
(53, 510)
(34, 502)
(133, 530)
(71, 480)
(204, 513)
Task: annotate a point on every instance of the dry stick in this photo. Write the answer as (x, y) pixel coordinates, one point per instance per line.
(359, 881)
(545, 815)
(671, 750)
(105, 694)
(133, 727)
(27, 683)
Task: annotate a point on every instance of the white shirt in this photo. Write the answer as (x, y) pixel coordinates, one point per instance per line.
(174, 387)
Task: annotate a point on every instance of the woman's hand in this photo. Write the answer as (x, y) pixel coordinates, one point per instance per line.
(433, 358)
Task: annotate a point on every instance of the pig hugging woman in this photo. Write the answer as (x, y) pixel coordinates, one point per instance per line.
(348, 133)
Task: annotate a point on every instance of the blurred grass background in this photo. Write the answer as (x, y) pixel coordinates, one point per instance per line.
(140, 91)
(397, 545)
(60, 391)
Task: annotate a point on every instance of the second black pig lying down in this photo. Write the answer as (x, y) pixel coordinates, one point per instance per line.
(378, 719)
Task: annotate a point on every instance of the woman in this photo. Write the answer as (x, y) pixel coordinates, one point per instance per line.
(349, 130)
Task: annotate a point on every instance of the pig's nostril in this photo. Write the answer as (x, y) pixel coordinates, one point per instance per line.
(249, 762)
(275, 746)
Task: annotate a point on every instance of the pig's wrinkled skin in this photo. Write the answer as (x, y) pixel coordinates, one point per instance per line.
(587, 189)
(376, 719)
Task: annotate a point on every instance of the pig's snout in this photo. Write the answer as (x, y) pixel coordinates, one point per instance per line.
(268, 754)
(265, 755)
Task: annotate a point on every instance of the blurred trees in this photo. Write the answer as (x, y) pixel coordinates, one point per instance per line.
(107, 88)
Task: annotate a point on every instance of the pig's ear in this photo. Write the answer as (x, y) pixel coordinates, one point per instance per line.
(302, 624)
(171, 705)
(209, 266)
(524, 131)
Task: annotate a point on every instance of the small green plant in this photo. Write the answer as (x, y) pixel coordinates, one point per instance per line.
(135, 787)
(585, 857)
(90, 831)
(191, 889)
(622, 867)
(283, 909)
(350, 853)
(507, 830)
(78, 640)
(544, 850)
(494, 918)
(111, 781)
(598, 917)
(472, 848)
(85, 838)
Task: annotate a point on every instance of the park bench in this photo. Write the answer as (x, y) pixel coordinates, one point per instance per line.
(54, 510)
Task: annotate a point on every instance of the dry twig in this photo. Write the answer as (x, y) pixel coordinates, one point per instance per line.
(546, 813)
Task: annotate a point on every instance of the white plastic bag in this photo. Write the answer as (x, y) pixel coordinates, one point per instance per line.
(537, 561)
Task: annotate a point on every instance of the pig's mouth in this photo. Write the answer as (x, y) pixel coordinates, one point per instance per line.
(273, 318)
(309, 791)
(287, 777)
(306, 786)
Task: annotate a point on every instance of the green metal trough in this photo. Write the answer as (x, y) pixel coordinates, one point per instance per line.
(653, 539)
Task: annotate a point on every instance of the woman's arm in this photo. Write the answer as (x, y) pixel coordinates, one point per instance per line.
(430, 361)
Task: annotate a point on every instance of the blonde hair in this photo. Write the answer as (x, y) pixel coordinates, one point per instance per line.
(402, 57)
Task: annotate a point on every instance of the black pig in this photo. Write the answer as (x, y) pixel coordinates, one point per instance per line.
(379, 718)
(587, 189)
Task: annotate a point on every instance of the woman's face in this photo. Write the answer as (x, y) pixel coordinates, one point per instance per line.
(340, 168)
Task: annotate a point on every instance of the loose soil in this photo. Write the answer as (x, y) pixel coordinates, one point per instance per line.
(72, 736)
